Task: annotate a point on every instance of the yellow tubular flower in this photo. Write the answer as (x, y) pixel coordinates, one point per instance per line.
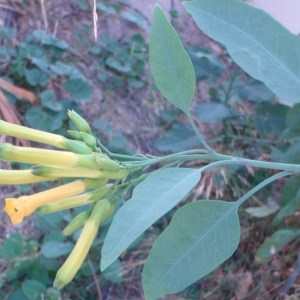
(66, 203)
(20, 177)
(66, 273)
(31, 155)
(43, 137)
(75, 201)
(32, 134)
(18, 209)
(65, 172)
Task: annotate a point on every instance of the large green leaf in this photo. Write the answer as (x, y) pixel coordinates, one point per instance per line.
(201, 236)
(170, 64)
(258, 43)
(151, 199)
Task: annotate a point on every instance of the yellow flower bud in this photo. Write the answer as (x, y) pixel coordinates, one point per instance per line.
(75, 134)
(66, 273)
(80, 123)
(20, 177)
(106, 163)
(43, 137)
(24, 206)
(77, 147)
(32, 134)
(76, 223)
(89, 139)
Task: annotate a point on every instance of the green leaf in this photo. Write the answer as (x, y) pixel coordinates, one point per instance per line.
(17, 294)
(136, 18)
(36, 77)
(151, 199)
(44, 119)
(79, 89)
(54, 249)
(49, 101)
(115, 64)
(201, 236)
(259, 44)
(33, 289)
(48, 39)
(274, 244)
(170, 64)
(12, 247)
(63, 69)
(260, 212)
(213, 112)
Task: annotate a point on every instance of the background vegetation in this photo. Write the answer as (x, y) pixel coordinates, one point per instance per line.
(109, 82)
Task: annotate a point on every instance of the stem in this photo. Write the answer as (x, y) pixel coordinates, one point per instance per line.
(261, 185)
(96, 281)
(227, 93)
(199, 135)
(252, 163)
(121, 156)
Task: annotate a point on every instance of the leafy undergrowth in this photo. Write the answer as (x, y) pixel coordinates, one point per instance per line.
(238, 114)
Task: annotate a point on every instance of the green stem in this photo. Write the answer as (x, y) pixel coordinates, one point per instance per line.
(232, 160)
(199, 135)
(261, 185)
(121, 156)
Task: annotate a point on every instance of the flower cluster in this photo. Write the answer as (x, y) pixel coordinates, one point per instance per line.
(90, 173)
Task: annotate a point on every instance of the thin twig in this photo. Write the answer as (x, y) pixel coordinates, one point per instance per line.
(95, 19)
(44, 15)
(95, 279)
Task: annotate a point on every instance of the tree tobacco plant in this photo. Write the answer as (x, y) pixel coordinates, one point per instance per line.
(202, 234)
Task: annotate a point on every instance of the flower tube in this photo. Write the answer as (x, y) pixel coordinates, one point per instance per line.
(68, 270)
(31, 155)
(43, 137)
(65, 172)
(20, 177)
(75, 201)
(18, 209)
